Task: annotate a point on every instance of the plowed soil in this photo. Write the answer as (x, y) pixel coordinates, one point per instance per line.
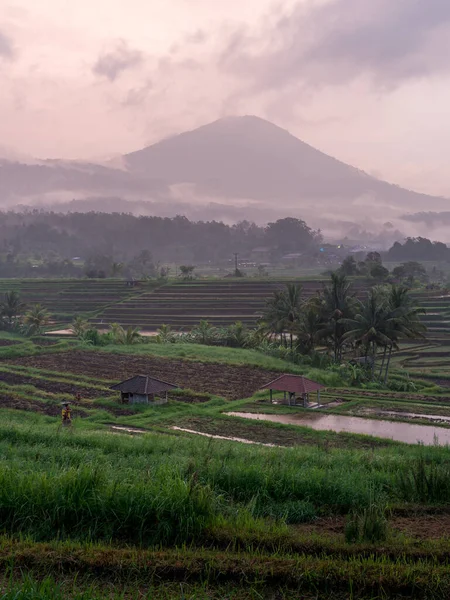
(228, 381)
(54, 387)
(52, 410)
(421, 527)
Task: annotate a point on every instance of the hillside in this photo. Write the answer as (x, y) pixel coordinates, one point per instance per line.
(248, 157)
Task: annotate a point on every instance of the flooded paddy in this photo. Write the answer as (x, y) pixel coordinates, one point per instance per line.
(400, 432)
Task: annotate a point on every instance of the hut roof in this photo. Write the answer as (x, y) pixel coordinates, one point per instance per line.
(144, 385)
(294, 384)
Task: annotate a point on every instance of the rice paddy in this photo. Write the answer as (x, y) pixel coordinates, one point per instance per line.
(126, 504)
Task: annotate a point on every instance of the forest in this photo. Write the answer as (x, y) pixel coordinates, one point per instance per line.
(99, 239)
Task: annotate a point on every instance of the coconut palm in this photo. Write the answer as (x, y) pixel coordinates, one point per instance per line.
(165, 335)
(79, 326)
(11, 307)
(272, 318)
(404, 320)
(310, 329)
(336, 304)
(371, 326)
(236, 335)
(283, 310)
(117, 333)
(204, 333)
(36, 318)
(130, 336)
(291, 308)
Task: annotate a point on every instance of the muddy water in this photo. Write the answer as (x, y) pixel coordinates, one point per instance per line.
(400, 432)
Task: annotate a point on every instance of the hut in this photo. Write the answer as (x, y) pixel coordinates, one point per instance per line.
(143, 389)
(293, 387)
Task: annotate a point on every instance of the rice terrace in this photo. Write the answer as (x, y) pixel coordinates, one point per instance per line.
(228, 487)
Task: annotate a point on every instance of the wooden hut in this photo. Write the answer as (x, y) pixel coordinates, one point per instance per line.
(143, 389)
(294, 387)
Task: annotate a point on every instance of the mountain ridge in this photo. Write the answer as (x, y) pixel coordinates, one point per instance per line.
(236, 160)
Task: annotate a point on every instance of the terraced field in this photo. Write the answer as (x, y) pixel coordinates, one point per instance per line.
(183, 305)
(67, 298)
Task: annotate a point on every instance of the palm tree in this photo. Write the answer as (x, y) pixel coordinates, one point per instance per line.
(237, 334)
(272, 319)
(310, 328)
(291, 307)
(117, 333)
(130, 336)
(165, 335)
(79, 326)
(404, 320)
(336, 304)
(37, 317)
(371, 326)
(204, 333)
(11, 307)
(283, 310)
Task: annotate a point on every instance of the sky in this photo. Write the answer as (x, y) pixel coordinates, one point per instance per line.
(367, 81)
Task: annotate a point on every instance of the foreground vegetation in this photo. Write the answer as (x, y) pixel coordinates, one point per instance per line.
(150, 511)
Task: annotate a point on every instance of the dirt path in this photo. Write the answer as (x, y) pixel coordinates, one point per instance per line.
(229, 381)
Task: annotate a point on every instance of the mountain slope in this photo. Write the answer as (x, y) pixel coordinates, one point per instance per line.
(248, 157)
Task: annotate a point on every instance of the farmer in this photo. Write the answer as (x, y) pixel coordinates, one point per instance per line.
(66, 415)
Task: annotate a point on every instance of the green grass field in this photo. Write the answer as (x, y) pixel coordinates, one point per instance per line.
(125, 506)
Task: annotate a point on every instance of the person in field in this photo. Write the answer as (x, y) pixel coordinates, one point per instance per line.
(66, 415)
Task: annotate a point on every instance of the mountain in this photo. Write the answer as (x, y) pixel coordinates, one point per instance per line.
(248, 157)
(236, 168)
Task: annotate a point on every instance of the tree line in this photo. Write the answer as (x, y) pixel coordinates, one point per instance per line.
(369, 329)
(46, 243)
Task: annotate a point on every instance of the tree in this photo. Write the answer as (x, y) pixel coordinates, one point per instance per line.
(349, 266)
(165, 335)
(336, 303)
(290, 308)
(291, 235)
(116, 269)
(36, 318)
(237, 335)
(117, 333)
(310, 328)
(187, 272)
(12, 307)
(377, 271)
(130, 336)
(79, 326)
(409, 271)
(204, 333)
(370, 326)
(283, 310)
(404, 320)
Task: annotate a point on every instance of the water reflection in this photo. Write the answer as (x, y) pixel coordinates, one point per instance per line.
(400, 432)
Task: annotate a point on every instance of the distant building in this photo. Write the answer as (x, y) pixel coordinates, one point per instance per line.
(143, 389)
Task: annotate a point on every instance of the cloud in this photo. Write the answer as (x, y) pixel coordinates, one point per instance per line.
(6, 47)
(198, 37)
(342, 40)
(112, 64)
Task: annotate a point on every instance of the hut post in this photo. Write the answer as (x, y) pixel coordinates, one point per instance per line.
(318, 397)
(271, 396)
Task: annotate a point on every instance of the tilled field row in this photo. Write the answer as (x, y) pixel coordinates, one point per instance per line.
(229, 381)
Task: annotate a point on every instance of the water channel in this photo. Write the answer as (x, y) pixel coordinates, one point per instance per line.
(400, 432)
